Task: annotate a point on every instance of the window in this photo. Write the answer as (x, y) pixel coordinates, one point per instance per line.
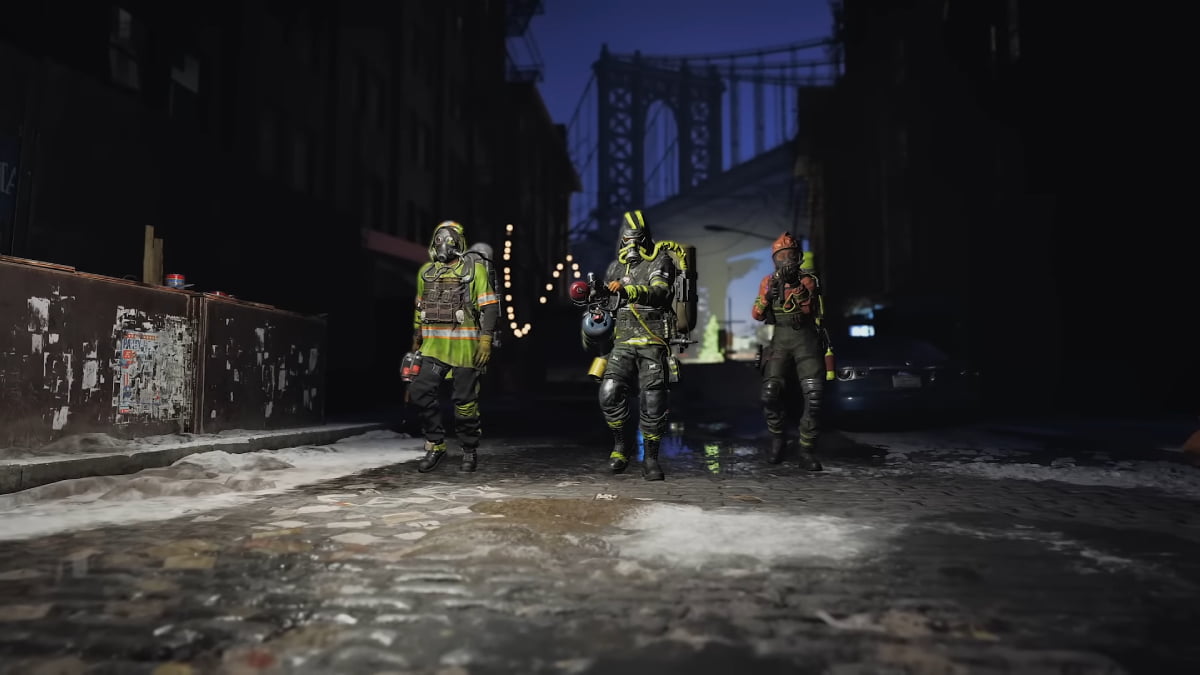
(1014, 33)
(454, 101)
(302, 161)
(396, 224)
(373, 106)
(268, 141)
(373, 204)
(414, 137)
(426, 146)
(416, 46)
(300, 37)
(422, 139)
(124, 45)
(426, 225)
(358, 95)
(184, 95)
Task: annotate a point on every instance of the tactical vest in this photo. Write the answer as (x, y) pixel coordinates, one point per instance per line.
(445, 301)
(787, 308)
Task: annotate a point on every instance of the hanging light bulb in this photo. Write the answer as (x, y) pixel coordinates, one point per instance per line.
(542, 299)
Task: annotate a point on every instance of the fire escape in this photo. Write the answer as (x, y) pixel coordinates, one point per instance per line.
(524, 58)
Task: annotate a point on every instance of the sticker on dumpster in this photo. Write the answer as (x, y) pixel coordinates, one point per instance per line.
(135, 373)
(153, 367)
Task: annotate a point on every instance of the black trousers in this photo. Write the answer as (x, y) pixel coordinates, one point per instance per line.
(797, 350)
(425, 394)
(645, 368)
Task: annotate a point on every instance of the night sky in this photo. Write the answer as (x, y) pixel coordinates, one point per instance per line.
(570, 34)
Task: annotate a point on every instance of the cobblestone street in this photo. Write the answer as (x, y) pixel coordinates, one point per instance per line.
(542, 563)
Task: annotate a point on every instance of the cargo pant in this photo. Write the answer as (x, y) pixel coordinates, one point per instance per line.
(798, 350)
(646, 368)
(425, 395)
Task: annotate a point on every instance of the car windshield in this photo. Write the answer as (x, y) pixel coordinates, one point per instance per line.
(889, 349)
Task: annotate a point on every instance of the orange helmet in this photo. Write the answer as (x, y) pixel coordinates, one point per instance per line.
(785, 241)
(786, 254)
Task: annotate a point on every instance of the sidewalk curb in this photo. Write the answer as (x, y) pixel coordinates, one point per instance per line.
(1070, 441)
(22, 476)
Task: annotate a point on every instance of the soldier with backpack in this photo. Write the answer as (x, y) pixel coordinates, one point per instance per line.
(454, 329)
(790, 300)
(635, 315)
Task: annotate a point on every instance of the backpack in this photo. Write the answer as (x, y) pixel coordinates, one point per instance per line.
(685, 305)
(482, 253)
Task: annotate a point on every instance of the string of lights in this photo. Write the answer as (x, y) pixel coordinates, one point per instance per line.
(521, 330)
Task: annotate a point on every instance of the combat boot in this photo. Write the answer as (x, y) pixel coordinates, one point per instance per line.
(650, 467)
(434, 453)
(619, 459)
(470, 459)
(808, 456)
(778, 446)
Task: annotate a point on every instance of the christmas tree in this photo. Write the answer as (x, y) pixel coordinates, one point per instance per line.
(710, 347)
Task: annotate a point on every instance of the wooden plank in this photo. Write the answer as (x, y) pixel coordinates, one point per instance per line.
(148, 255)
(159, 275)
(36, 263)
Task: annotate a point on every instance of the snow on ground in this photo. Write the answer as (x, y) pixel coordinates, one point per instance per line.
(195, 484)
(690, 536)
(978, 453)
(101, 443)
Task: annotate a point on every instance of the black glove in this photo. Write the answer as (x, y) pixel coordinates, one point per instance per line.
(772, 291)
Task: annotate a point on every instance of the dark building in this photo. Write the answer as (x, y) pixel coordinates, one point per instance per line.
(971, 185)
(292, 153)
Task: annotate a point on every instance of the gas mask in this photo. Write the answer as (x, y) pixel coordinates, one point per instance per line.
(632, 246)
(635, 242)
(447, 245)
(787, 264)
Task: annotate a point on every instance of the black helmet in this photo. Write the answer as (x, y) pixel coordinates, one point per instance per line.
(635, 242)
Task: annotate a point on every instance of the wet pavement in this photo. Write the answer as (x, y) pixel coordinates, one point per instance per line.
(541, 562)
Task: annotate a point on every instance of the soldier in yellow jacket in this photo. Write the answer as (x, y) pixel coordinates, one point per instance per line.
(455, 318)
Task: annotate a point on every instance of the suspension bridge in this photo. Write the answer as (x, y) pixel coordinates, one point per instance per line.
(651, 127)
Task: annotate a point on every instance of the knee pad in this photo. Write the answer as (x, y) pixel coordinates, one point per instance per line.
(612, 393)
(772, 391)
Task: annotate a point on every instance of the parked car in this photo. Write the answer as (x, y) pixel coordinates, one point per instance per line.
(886, 376)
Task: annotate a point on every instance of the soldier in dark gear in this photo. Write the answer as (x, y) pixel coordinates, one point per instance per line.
(453, 326)
(642, 275)
(790, 300)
